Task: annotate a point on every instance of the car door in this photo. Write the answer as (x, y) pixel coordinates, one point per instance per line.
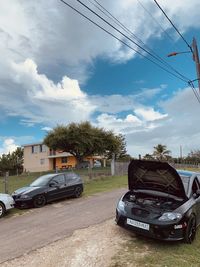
(195, 187)
(59, 189)
(70, 183)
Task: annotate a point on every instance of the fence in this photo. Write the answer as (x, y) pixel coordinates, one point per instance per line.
(11, 183)
(121, 168)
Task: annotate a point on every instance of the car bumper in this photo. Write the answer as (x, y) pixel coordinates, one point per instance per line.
(23, 203)
(10, 205)
(161, 232)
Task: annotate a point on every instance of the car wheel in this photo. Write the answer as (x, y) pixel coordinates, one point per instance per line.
(190, 232)
(2, 209)
(78, 191)
(39, 201)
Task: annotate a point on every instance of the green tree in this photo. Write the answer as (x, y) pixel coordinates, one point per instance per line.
(161, 152)
(12, 162)
(83, 139)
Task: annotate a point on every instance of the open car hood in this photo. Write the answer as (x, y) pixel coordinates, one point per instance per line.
(155, 175)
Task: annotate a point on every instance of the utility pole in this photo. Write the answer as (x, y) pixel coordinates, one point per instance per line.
(181, 153)
(196, 59)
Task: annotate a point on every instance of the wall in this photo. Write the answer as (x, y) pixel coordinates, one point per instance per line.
(37, 161)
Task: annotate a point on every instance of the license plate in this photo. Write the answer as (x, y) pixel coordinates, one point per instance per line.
(137, 224)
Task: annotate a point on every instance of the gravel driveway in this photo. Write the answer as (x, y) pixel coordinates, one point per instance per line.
(28, 232)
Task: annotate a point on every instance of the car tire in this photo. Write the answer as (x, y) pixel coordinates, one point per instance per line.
(2, 210)
(78, 192)
(190, 232)
(39, 201)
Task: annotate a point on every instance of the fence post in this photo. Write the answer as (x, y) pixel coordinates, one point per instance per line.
(6, 182)
(113, 165)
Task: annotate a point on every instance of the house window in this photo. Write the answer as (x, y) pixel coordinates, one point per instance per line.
(35, 149)
(64, 159)
(42, 148)
(42, 161)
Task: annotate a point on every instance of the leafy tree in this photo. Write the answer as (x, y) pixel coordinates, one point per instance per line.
(83, 139)
(161, 152)
(193, 157)
(12, 162)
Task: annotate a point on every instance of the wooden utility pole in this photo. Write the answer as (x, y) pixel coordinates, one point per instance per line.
(196, 59)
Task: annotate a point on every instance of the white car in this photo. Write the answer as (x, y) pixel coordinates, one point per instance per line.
(6, 203)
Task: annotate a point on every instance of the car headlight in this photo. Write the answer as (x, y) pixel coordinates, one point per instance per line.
(121, 205)
(24, 197)
(170, 216)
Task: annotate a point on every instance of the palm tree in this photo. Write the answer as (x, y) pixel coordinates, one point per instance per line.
(161, 152)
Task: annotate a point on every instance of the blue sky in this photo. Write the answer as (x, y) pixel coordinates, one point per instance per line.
(58, 68)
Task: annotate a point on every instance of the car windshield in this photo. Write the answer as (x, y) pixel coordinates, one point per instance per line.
(185, 177)
(42, 180)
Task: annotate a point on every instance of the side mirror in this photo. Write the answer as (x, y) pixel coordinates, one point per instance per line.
(197, 193)
(53, 184)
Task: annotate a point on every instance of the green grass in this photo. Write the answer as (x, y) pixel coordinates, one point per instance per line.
(143, 252)
(104, 184)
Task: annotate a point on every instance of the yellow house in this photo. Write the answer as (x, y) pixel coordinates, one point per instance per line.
(38, 157)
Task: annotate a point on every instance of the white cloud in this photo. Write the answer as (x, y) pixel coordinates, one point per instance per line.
(47, 129)
(38, 99)
(8, 146)
(112, 122)
(149, 114)
(61, 41)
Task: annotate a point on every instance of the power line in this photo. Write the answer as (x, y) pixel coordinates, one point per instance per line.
(80, 13)
(176, 29)
(191, 84)
(109, 15)
(155, 20)
(145, 50)
(163, 68)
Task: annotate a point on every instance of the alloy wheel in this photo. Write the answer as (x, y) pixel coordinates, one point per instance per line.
(39, 201)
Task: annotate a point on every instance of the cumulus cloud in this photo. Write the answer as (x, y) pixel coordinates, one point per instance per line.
(45, 55)
(55, 37)
(149, 114)
(47, 129)
(38, 99)
(8, 146)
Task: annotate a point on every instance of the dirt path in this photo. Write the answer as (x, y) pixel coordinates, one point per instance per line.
(90, 247)
(28, 232)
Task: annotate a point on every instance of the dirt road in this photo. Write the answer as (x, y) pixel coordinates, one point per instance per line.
(94, 246)
(22, 234)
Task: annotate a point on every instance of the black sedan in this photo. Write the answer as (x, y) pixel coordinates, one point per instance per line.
(161, 203)
(47, 188)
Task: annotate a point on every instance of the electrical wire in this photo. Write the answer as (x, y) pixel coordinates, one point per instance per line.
(131, 40)
(136, 51)
(115, 20)
(176, 29)
(191, 84)
(155, 20)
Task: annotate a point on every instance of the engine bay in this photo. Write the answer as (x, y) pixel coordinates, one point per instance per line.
(144, 204)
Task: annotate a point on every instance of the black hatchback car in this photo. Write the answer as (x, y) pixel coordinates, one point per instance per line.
(161, 203)
(47, 188)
